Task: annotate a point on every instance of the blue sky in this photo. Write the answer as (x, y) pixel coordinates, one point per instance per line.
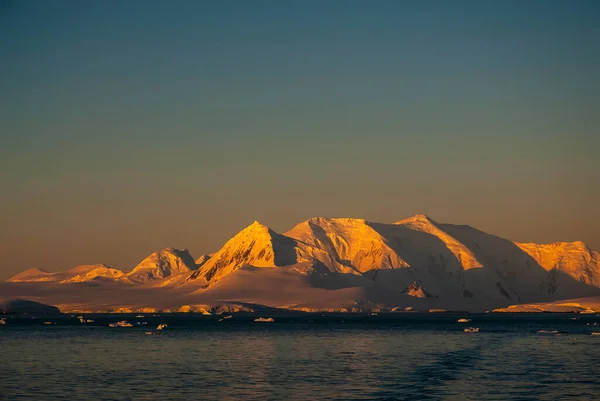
(127, 127)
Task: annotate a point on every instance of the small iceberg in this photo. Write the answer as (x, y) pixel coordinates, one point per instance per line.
(47, 322)
(265, 320)
(547, 332)
(596, 333)
(206, 313)
(122, 323)
(161, 326)
(149, 333)
(464, 320)
(3, 320)
(472, 330)
(227, 317)
(140, 316)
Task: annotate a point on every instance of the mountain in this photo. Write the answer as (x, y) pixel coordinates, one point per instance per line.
(163, 264)
(347, 245)
(417, 256)
(31, 275)
(157, 266)
(339, 264)
(76, 274)
(97, 272)
(575, 259)
(255, 245)
(461, 252)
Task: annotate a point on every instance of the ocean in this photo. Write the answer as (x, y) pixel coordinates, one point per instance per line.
(404, 356)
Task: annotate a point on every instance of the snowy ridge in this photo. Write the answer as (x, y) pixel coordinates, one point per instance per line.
(155, 267)
(101, 271)
(76, 274)
(33, 274)
(421, 222)
(350, 245)
(573, 258)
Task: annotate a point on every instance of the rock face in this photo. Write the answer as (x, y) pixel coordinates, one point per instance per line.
(345, 263)
(415, 290)
(203, 259)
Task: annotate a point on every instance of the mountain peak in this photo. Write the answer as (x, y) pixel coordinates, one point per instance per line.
(419, 217)
(255, 245)
(34, 274)
(256, 226)
(353, 245)
(164, 263)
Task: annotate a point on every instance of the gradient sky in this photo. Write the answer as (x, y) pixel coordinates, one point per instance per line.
(130, 126)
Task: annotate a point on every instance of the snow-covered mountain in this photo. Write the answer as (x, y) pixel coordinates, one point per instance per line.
(416, 256)
(31, 275)
(353, 263)
(98, 272)
(157, 266)
(163, 264)
(74, 275)
(256, 245)
(574, 259)
(347, 245)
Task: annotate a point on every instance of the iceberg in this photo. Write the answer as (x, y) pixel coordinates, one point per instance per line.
(265, 320)
(122, 323)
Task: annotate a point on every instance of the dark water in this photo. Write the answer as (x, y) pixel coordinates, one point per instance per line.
(308, 357)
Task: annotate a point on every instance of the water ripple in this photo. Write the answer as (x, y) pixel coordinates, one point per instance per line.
(421, 358)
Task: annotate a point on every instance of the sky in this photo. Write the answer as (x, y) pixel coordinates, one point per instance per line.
(129, 127)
